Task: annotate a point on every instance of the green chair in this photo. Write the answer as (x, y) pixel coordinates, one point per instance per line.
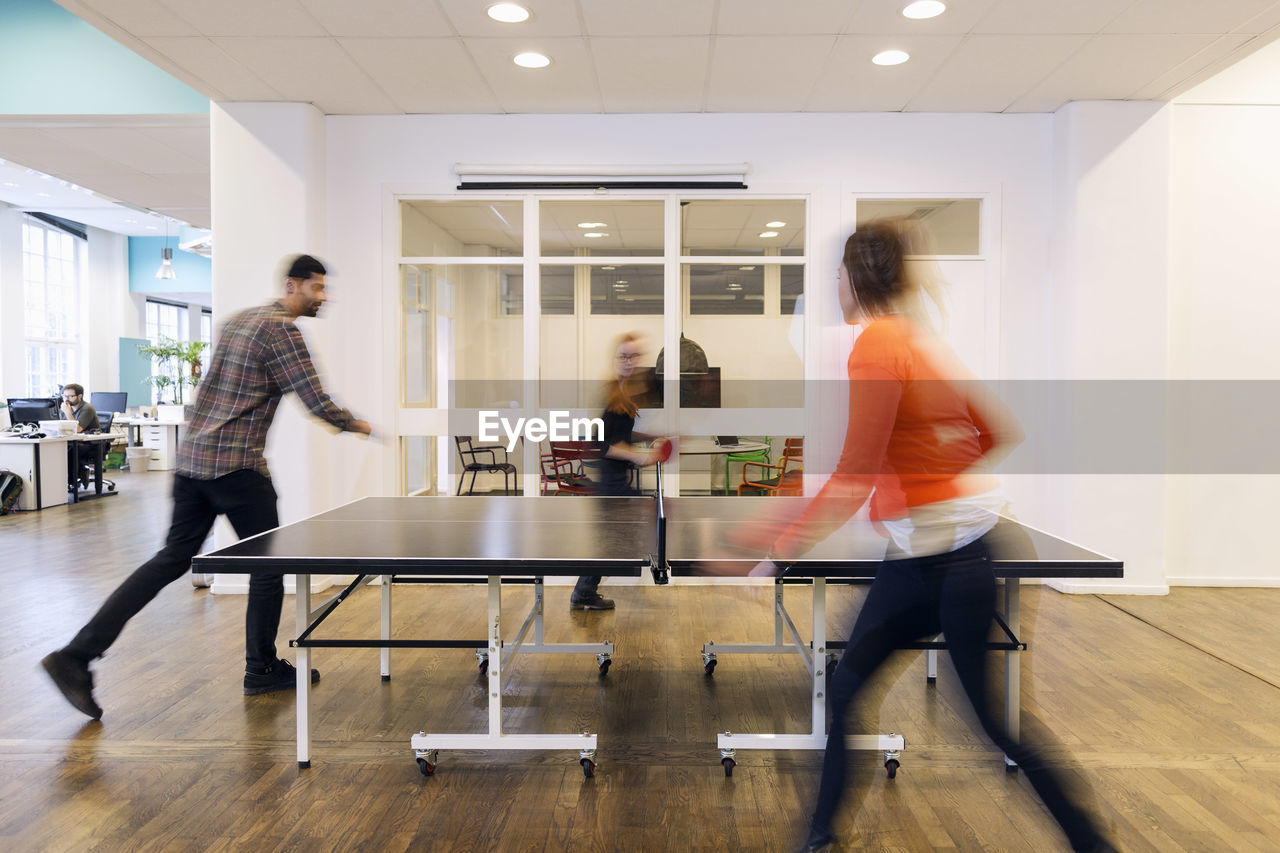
(747, 456)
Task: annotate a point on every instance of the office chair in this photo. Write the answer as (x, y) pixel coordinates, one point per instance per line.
(746, 456)
(483, 459)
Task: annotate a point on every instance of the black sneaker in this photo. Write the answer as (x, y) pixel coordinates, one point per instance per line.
(595, 602)
(281, 675)
(818, 841)
(72, 676)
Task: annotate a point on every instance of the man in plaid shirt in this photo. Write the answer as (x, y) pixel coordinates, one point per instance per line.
(260, 357)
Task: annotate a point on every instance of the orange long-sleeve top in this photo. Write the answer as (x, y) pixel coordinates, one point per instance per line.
(916, 428)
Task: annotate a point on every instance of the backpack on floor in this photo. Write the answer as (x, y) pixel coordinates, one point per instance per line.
(10, 488)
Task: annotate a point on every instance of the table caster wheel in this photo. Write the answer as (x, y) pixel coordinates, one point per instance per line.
(588, 767)
(891, 768)
(709, 667)
(604, 667)
(483, 666)
(728, 764)
(426, 767)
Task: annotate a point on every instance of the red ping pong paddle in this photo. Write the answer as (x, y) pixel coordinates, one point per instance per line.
(664, 447)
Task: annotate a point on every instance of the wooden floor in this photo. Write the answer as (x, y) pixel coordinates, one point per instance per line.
(1169, 706)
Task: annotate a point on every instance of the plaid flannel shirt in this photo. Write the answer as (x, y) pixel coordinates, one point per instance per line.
(260, 357)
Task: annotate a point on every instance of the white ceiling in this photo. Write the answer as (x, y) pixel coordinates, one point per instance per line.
(609, 56)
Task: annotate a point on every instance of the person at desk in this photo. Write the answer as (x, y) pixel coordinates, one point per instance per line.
(920, 434)
(260, 357)
(618, 454)
(76, 408)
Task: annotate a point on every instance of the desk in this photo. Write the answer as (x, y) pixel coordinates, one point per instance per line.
(42, 465)
(161, 436)
(497, 540)
(704, 446)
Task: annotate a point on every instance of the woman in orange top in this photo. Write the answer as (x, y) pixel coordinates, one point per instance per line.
(920, 435)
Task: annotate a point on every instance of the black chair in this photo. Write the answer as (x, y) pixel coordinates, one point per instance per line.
(484, 458)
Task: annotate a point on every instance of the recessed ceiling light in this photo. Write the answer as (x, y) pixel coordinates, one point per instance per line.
(131, 222)
(45, 195)
(768, 233)
(922, 9)
(774, 224)
(153, 227)
(593, 224)
(9, 184)
(531, 60)
(595, 234)
(608, 268)
(508, 13)
(623, 282)
(746, 269)
(891, 57)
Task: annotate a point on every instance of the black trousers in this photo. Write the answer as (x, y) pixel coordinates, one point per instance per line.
(914, 599)
(248, 500)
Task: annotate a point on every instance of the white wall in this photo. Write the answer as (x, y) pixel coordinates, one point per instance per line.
(1225, 312)
(109, 310)
(13, 368)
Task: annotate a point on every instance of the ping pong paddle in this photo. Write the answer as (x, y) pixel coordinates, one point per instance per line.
(663, 446)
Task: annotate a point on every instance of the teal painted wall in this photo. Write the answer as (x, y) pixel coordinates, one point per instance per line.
(195, 272)
(135, 370)
(53, 63)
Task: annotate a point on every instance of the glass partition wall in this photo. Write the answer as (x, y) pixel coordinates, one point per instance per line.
(512, 307)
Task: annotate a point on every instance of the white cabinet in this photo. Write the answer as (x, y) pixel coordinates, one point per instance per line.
(162, 440)
(42, 465)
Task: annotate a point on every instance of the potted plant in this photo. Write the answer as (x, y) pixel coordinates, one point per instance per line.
(178, 365)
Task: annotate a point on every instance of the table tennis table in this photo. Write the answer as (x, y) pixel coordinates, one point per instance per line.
(522, 540)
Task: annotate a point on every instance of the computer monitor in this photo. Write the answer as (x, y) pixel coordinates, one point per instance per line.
(109, 401)
(32, 410)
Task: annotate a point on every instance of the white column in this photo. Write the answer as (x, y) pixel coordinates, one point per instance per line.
(268, 201)
(13, 364)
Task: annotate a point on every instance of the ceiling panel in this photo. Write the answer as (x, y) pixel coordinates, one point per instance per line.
(763, 74)
(225, 78)
(558, 18)
(1187, 16)
(850, 82)
(262, 18)
(987, 73)
(644, 75)
(314, 70)
(884, 17)
(567, 85)
(379, 18)
(1232, 51)
(649, 18)
(767, 17)
(1110, 68)
(129, 148)
(144, 18)
(1049, 16)
(424, 75)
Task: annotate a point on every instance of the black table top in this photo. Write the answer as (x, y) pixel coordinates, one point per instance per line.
(573, 535)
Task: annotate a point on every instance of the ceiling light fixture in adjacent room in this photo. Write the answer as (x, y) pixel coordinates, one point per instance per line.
(166, 257)
(922, 9)
(777, 223)
(768, 233)
(531, 60)
(594, 234)
(891, 57)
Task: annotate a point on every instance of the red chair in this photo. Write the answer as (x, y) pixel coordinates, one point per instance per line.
(563, 466)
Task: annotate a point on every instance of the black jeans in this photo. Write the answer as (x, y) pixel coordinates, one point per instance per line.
(248, 500)
(917, 598)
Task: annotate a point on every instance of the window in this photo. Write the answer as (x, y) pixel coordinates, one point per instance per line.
(206, 327)
(165, 320)
(52, 260)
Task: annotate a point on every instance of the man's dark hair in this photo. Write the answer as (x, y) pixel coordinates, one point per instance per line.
(304, 267)
(75, 388)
